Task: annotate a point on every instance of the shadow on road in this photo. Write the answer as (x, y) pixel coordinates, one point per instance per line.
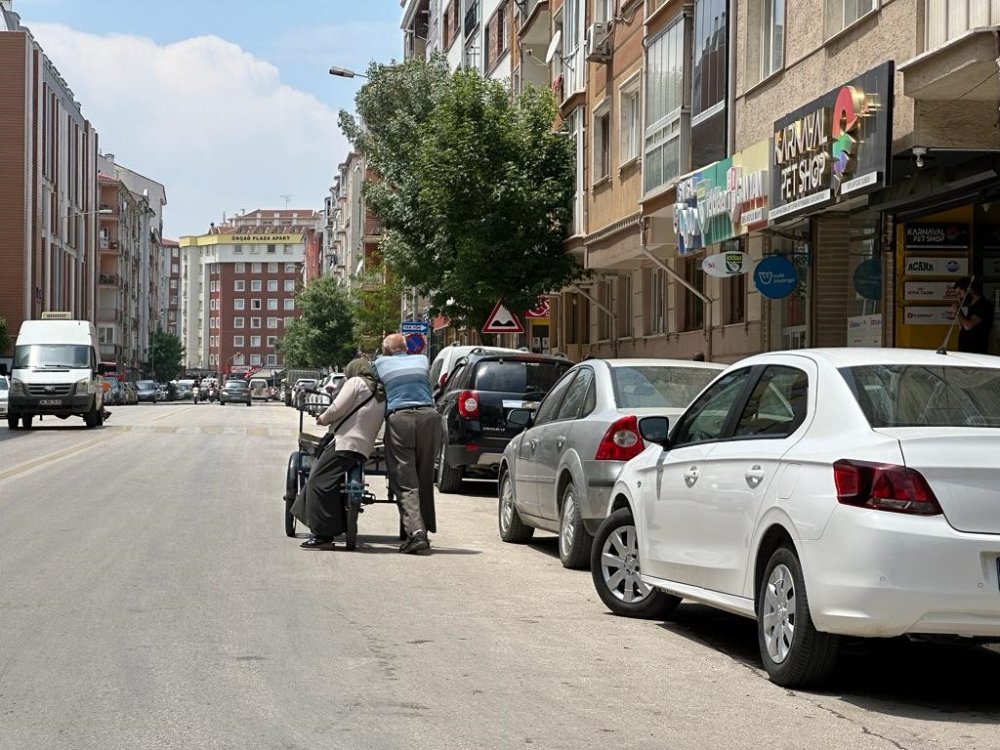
(928, 681)
(479, 488)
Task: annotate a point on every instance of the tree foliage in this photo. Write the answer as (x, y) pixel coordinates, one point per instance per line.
(323, 335)
(473, 187)
(166, 356)
(4, 336)
(376, 305)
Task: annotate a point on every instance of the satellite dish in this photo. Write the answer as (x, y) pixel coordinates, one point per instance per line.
(553, 47)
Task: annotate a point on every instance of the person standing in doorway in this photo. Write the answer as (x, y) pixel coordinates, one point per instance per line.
(412, 438)
(976, 321)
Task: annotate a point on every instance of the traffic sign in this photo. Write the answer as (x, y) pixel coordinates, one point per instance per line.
(415, 343)
(540, 310)
(414, 326)
(502, 320)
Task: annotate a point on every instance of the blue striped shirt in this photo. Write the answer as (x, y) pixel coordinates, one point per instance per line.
(406, 380)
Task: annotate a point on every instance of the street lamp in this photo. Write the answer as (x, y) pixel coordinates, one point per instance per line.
(345, 73)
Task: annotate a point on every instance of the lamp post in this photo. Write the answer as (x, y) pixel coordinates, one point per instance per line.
(345, 73)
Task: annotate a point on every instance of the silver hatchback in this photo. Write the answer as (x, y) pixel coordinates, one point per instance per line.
(557, 474)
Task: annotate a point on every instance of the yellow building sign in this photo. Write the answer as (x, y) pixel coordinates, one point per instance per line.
(201, 240)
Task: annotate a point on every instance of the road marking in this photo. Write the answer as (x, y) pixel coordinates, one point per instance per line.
(53, 457)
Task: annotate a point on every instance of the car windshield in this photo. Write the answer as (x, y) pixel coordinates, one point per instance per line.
(234, 385)
(146, 385)
(518, 376)
(638, 386)
(52, 355)
(925, 396)
(3, 384)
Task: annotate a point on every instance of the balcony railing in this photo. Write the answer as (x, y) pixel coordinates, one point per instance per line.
(949, 19)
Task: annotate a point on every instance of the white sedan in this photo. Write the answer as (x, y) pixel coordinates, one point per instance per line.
(825, 493)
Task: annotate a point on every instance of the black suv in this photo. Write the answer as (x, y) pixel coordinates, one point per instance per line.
(481, 389)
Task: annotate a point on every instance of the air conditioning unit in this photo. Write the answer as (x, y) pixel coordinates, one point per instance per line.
(599, 42)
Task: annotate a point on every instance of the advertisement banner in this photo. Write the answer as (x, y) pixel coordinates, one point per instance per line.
(833, 148)
(927, 291)
(937, 236)
(864, 330)
(936, 266)
(927, 315)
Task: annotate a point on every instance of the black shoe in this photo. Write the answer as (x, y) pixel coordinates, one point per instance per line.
(318, 542)
(416, 543)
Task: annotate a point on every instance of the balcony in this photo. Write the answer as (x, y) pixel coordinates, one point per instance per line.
(108, 279)
(534, 28)
(961, 53)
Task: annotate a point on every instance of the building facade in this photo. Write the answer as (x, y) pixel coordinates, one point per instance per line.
(238, 284)
(172, 271)
(48, 186)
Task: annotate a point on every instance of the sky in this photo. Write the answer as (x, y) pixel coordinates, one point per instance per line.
(227, 103)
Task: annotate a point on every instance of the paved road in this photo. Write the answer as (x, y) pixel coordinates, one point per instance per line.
(149, 599)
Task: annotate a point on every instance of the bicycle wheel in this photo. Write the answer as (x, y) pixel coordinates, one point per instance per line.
(351, 541)
(291, 490)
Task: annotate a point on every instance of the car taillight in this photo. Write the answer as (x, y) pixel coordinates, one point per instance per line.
(884, 487)
(621, 442)
(468, 404)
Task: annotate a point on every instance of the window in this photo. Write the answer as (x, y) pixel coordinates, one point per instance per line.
(765, 39)
(175, 268)
(272, 285)
(629, 117)
(271, 340)
(693, 311)
(237, 341)
(272, 304)
(255, 304)
(663, 387)
(290, 268)
(255, 359)
(272, 359)
(237, 322)
(664, 99)
(839, 14)
(709, 76)
(289, 285)
(173, 283)
(602, 141)
(255, 342)
(449, 23)
(734, 299)
(255, 268)
(273, 322)
(239, 267)
(255, 285)
(706, 419)
(623, 303)
(238, 249)
(272, 267)
(272, 249)
(547, 410)
(239, 303)
(255, 322)
(656, 303)
(289, 304)
(777, 407)
(580, 396)
(288, 249)
(496, 37)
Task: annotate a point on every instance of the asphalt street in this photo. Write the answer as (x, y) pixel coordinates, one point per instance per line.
(150, 599)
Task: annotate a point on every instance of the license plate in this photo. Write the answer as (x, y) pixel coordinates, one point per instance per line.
(50, 402)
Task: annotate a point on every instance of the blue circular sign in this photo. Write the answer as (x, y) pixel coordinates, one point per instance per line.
(775, 277)
(415, 343)
(868, 279)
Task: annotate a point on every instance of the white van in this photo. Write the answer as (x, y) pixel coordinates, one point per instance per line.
(55, 372)
(259, 389)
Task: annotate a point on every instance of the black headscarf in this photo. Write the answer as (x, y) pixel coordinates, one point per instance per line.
(360, 368)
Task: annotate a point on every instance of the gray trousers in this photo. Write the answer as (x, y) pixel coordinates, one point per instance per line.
(412, 439)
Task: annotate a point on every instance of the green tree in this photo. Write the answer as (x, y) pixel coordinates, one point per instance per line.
(375, 301)
(4, 336)
(473, 186)
(166, 357)
(323, 335)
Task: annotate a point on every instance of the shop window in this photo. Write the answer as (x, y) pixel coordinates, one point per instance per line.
(765, 39)
(734, 300)
(656, 301)
(693, 310)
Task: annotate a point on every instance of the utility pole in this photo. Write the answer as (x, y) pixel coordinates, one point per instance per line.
(287, 197)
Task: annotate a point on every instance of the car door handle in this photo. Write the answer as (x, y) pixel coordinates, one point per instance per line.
(691, 476)
(560, 442)
(533, 443)
(754, 476)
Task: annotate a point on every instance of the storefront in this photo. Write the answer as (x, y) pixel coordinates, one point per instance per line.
(824, 260)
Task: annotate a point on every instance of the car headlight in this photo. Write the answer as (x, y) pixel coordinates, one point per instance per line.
(83, 386)
(17, 387)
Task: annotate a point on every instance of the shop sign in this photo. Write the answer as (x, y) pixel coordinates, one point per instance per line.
(936, 266)
(864, 330)
(722, 265)
(834, 147)
(926, 315)
(274, 239)
(723, 200)
(775, 277)
(937, 236)
(927, 291)
(868, 279)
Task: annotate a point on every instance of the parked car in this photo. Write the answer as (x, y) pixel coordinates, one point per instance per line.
(147, 391)
(185, 388)
(237, 391)
(4, 393)
(131, 393)
(331, 383)
(114, 391)
(557, 475)
(825, 493)
(483, 388)
(300, 385)
(445, 361)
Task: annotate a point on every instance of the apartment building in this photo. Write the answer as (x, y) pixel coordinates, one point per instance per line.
(172, 263)
(48, 186)
(238, 286)
(470, 33)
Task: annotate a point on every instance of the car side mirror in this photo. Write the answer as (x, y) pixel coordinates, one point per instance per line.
(3, 369)
(655, 430)
(520, 418)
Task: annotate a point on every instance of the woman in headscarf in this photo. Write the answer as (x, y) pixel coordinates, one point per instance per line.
(355, 416)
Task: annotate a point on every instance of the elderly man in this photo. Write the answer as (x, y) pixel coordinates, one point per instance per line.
(412, 438)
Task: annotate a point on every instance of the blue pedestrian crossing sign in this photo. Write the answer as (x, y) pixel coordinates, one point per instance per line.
(414, 326)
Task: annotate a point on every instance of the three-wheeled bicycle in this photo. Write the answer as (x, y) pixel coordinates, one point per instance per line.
(354, 490)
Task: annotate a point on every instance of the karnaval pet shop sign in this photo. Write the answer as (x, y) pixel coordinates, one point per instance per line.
(835, 147)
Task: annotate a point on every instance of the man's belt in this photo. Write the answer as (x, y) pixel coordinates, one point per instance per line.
(409, 408)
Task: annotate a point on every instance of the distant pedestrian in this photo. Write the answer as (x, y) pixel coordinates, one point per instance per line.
(976, 320)
(412, 438)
